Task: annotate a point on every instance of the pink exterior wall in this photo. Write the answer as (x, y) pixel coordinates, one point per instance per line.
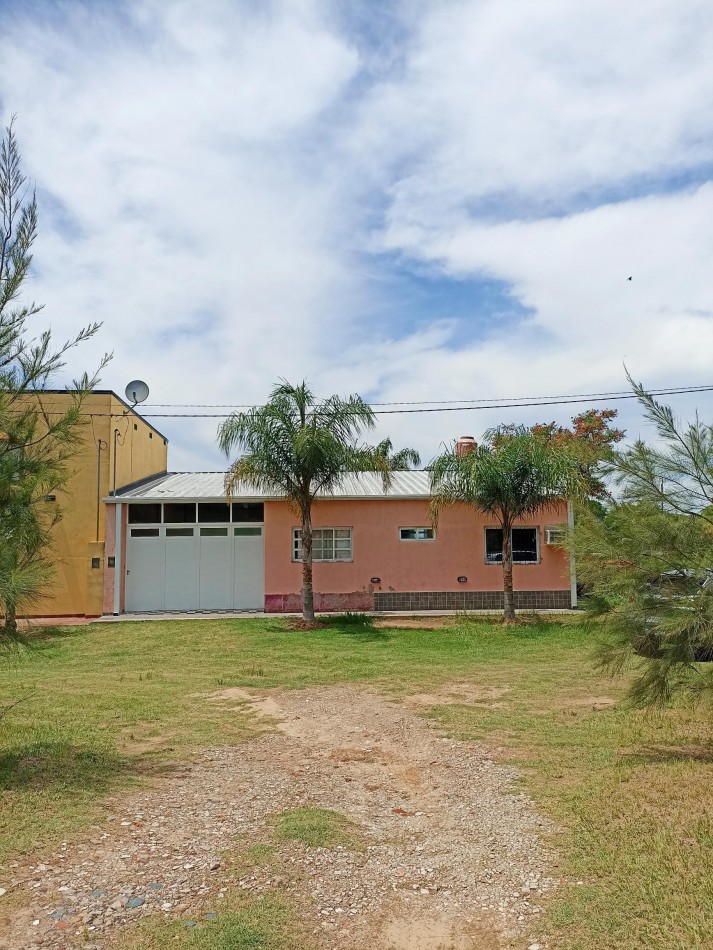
(111, 573)
(109, 549)
(458, 550)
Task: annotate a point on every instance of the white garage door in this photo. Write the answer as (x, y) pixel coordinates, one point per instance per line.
(197, 567)
(145, 564)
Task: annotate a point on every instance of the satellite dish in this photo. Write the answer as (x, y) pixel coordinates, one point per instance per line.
(137, 391)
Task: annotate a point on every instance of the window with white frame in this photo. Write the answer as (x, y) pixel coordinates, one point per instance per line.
(328, 544)
(417, 534)
(524, 545)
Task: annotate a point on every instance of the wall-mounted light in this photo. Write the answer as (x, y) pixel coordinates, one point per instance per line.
(111, 562)
(96, 563)
(462, 579)
(375, 580)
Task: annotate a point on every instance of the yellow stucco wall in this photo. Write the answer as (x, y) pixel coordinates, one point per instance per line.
(140, 451)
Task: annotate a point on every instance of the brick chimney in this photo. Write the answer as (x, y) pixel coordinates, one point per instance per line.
(465, 445)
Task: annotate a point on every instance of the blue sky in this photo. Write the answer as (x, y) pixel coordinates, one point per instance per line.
(407, 200)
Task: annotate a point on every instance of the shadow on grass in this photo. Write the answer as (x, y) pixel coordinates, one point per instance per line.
(30, 640)
(58, 766)
(668, 754)
(358, 626)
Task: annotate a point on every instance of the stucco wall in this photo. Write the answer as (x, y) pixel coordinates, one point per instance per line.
(139, 450)
(75, 591)
(458, 550)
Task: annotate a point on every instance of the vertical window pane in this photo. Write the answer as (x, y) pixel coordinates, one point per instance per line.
(493, 545)
(524, 545)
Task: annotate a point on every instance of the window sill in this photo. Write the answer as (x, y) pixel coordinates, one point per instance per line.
(514, 563)
(323, 561)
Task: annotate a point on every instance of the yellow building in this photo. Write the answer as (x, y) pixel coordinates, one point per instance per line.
(119, 448)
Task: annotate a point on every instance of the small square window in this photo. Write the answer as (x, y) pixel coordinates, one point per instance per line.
(179, 512)
(145, 514)
(417, 534)
(212, 512)
(244, 511)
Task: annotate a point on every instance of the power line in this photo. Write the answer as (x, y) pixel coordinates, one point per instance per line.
(557, 401)
(524, 400)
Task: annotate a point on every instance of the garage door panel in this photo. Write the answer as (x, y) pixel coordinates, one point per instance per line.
(145, 573)
(215, 590)
(249, 560)
(181, 569)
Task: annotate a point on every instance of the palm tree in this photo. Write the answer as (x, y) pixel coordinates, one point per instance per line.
(297, 446)
(512, 475)
(401, 461)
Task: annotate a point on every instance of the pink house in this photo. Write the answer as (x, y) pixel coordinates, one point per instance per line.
(173, 543)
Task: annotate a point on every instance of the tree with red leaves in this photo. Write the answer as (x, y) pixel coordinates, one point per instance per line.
(591, 437)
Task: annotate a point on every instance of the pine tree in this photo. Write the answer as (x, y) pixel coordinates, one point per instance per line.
(36, 444)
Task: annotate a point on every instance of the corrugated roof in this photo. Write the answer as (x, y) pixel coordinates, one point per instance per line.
(191, 486)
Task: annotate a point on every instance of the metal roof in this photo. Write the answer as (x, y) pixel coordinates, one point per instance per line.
(196, 486)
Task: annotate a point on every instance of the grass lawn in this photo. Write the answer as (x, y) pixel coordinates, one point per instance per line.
(108, 705)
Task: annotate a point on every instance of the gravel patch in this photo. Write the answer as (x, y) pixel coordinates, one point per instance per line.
(452, 860)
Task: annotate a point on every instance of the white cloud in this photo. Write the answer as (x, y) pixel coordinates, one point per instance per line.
(212, 183)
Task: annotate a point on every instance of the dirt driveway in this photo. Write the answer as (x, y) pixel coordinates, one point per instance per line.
(452, 856)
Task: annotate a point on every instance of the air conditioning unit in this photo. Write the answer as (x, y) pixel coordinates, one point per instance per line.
(555, 535)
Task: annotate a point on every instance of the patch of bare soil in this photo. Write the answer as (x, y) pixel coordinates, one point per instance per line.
(437, 934)
(303, 625)
(452, 857)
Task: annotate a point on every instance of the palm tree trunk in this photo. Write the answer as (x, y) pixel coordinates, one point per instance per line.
(307, 588)
(509, 598)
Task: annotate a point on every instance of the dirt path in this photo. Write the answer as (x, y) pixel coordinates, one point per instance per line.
(452, 861)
